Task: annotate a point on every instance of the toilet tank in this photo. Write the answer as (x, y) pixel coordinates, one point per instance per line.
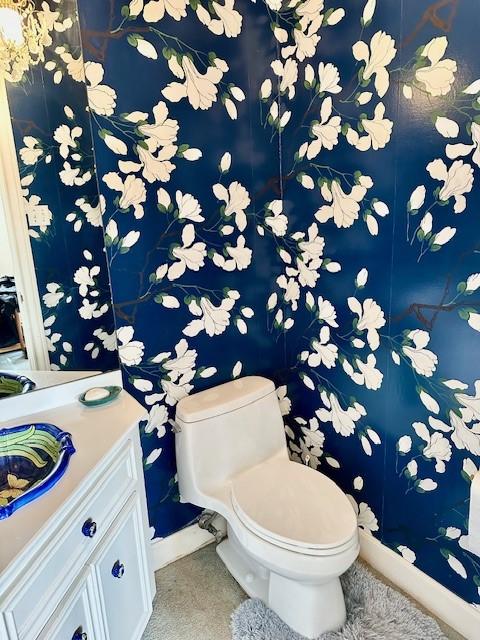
(224, 430)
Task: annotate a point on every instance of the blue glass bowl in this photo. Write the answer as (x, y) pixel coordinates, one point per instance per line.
(33, 457)
(11, 385)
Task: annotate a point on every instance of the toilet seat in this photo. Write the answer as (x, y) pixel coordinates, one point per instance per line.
(294, 507)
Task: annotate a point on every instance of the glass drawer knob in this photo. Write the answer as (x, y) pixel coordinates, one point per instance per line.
(118, 570)
(89, 528)
(79, 635)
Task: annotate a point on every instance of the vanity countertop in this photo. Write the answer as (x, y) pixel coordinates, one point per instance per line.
(94, 433)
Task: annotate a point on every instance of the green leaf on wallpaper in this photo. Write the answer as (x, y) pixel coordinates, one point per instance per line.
(133, 39)
(420, 235)
(461, 287)
(194, 4)
(103, 133)
(476, 580)
(143, 144)
(166, 53)
(463, 313)
(125, 11)
(442, 531)
(158, 298)
(435, 247)
(445, 553)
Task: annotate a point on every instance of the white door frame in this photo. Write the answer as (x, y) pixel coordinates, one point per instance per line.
(17, 228)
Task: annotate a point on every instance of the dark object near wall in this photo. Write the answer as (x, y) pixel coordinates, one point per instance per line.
(8, 308)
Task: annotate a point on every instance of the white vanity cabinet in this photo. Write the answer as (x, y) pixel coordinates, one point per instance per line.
(74, 564)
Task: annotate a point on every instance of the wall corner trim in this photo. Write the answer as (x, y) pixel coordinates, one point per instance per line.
(444, 604)
(178, 545)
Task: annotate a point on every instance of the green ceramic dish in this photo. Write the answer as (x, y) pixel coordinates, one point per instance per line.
(113, 393)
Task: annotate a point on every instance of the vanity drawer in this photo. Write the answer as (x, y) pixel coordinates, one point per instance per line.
(121, 570)
(76, 617)
(72, 544)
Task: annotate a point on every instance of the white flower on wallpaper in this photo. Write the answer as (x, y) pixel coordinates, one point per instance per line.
(53, 296)
(367, 521)
(436, 446)
(287, 73)
(454, 151)
(74, 176)
(157, 418)
(377, 56)
(457, 181)
(324, 352)
(378, 131)
(157, 168)
(423, 360)
(407, 553)
(370, 318)
(84, 277)
(189, 255)
(438, 73)
(130, 351)
(164, 130)
(324, 132)
(312, 440)
(328, 78)
(211, 318)
(102, 99)
(188, 207)
(364, 373)
(239, 256)
(236, 199)
(344, 207)
(32, 151)
(93, 309)
(177, 373)
(66, 137)
(74, 65)
(132, 190)
(275, 218)
(199, 88)
(228, 21)
(343, 419)
(470, 403)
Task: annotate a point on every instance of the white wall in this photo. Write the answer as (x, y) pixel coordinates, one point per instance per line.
(6, 262)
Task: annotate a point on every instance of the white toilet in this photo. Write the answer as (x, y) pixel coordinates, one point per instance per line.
(291, 531)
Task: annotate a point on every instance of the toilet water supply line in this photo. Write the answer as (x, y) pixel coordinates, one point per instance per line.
(206, 521)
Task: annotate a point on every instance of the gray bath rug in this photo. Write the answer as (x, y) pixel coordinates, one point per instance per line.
(374, 612)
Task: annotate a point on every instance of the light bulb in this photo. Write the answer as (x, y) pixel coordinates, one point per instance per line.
(11, 26)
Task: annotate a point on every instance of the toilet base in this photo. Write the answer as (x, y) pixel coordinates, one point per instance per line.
(309, 609)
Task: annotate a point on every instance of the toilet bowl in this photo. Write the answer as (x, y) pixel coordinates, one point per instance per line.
(291, 530)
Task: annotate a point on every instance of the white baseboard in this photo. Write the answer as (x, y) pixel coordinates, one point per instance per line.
(180, 544)
(444, 604)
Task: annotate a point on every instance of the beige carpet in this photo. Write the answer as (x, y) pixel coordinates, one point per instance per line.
(195, 599)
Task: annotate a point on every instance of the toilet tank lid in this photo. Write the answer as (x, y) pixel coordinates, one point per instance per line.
(223, 398)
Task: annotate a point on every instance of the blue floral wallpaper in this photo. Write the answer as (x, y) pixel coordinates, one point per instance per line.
(290, 190)
(54, 143)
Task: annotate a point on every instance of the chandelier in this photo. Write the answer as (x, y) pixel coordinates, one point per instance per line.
(23, 36)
